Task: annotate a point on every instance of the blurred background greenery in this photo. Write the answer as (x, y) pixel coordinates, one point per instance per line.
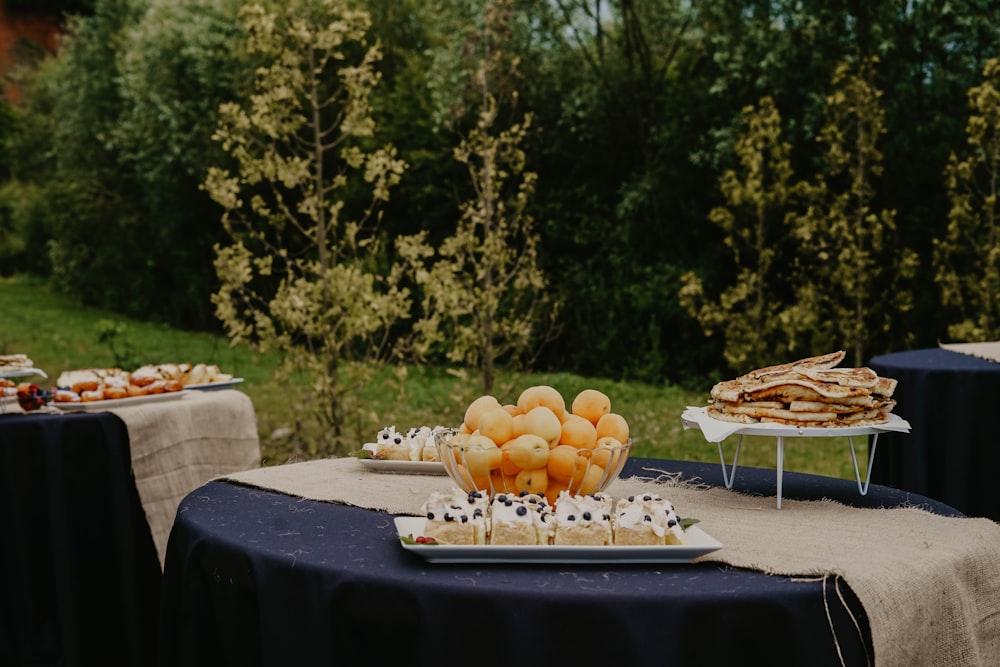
(59, 334)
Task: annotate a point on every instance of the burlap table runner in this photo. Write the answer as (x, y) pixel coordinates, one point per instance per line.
(178, 445)
(930, 585)
(989, 351)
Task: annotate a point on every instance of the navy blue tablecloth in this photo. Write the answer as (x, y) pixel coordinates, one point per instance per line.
(254, 577)
(79, 574)
(952, 452)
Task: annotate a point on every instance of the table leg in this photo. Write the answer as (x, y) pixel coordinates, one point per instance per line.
(781, 465)
(728, 476)
(863, 489)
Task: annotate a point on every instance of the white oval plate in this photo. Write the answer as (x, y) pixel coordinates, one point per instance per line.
(108, 404)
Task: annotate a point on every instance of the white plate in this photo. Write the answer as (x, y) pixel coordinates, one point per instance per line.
(717, 430)
(405, 467)
(22, 372)
(107, 404)
(699, 544)
(212, 386)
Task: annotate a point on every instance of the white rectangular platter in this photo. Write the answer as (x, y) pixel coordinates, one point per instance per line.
(699, 543)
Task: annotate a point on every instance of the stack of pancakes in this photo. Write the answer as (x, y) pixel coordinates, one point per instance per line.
(15, 362)
(809, 392)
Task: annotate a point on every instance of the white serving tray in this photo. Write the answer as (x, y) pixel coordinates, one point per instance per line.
(698, 544)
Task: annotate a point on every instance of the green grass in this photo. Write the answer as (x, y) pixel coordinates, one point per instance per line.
(60, 335)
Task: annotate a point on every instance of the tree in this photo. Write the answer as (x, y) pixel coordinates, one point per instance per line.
(306, 272)
(967, 257)
(843, 239)
(110, 149)
(485, 298)
(174, 68)
(753, 315)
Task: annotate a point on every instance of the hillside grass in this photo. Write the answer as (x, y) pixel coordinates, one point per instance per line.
(59, 334)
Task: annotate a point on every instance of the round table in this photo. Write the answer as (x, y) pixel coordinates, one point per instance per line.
(951, 453)
(254, 577)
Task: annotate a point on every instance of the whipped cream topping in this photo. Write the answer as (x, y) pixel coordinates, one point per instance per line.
(457, 505)
(583, 510)
(532, 509)
(649, 510)
(415, 441)
(418, 438)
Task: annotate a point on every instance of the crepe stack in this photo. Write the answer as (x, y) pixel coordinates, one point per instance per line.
(14, 362)
(811, 392)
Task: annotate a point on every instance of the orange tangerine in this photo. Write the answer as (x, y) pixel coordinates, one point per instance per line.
(541, 421)
(517, 424)
(562, 461)
(532, 481)
(591, 479)
(497, 480)
(607, 452)
(500, 481)
(479, 482)
(613, 425)
(580, 468)
(591, 404)
(481, 460)
(578, 432)
(553, 489)
(457, 441)
(527, 452)
(477, 408)
(542, 394)
(497, 424)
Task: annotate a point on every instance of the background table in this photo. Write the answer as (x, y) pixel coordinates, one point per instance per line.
(952, 453)
(83, 497)
(79, 573)
(254, 577)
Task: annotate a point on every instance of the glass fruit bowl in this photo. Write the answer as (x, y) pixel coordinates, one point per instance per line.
(526, 464)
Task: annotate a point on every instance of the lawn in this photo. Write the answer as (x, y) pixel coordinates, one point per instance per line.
(59, 334)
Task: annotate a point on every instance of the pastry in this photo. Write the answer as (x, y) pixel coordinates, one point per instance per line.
(583, 519)
(391, 445)
(524, 519)
(646, 519)
(456, 517)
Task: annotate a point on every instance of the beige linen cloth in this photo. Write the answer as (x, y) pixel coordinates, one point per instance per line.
(989, 351)
(178, 445)
(930, 585)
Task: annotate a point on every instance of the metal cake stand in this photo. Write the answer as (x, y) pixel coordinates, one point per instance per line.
(696, 418)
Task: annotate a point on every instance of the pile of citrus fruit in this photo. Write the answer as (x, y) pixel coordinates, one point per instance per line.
(538, 444)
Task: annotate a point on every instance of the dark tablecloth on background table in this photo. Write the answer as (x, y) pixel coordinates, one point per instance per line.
(254, 577)
(952, 452)
(79, 573)
(87, 500)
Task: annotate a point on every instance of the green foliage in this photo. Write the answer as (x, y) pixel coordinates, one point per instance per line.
(842, 236)
(485, 299)
(967, 257)
(115, 335)
(633, 109)
(111, 149)
(59, 335)
(305, 272)
(756, 317)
